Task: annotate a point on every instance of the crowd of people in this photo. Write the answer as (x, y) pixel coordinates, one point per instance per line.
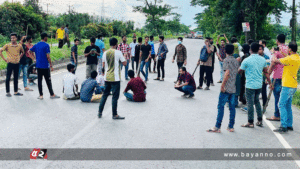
(246, 71)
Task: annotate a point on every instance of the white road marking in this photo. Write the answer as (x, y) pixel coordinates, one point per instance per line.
(285, 144)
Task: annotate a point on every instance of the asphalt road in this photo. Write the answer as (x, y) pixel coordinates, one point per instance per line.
(165, 121)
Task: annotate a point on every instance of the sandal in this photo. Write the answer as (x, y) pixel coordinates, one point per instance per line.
(214, 130)
(199, 87)
(40, 98)
(273, 118)
(8, 95)
(248, 125)
(162, 80)
(230, 129)
(157, 79)
(259, 123)
(18, 94)
(28, 89)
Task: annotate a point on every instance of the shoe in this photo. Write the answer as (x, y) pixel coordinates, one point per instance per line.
(207, 88)
(118, 117)
(18, 94)
(219, 81)
(185, 95)
(290, 128)
(199, 87)
(99, 115)
(281, 130)
(8, 95)
(245, 109)
(191, 96)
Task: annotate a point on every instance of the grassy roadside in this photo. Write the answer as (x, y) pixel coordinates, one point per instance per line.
(57, 54)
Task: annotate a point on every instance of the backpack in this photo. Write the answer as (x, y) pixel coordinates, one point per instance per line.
(203, 54)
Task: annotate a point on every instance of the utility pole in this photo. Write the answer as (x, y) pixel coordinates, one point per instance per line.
(294, 22)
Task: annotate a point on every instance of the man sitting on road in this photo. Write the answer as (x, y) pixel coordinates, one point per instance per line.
(189, 86)
(228, 89)
(138, 87)
(70, 83)
(88, 88)
(289, 87)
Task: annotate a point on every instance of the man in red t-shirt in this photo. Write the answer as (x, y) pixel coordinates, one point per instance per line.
(138, 87)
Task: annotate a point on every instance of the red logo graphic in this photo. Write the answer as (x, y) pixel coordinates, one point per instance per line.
(39, 154)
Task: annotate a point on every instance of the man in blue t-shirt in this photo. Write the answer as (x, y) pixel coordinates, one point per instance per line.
(101, 45)
(151, 43)
(254, 67)
(90, 90)
(43, 61)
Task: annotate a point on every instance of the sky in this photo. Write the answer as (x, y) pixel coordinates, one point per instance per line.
(123, 9)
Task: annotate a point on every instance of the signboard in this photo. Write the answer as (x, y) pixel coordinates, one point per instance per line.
(246, 27)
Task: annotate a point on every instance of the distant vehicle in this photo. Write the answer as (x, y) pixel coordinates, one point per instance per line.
(198, 35)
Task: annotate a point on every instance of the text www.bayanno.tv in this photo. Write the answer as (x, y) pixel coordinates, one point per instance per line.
(258, 155)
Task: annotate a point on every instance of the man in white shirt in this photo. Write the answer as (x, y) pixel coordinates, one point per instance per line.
(266, 50)
(111, 62)
(132, 47)
(70, 83)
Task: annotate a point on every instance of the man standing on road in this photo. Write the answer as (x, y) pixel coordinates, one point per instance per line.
(14, 52)
(74, 54)
(138, 88)
(152, 54)
(67, 36)
(253, 66)
(277, 70)
(137, 55)
(180, 52)
(125, 49)
(228, 89)
(289, 87)
(206, 67)
(101, 45)
(91, 52)
(266, 50)
(132, 47)
(222, 55)
(24, 64)
(161, 54)
(146, 56)
(43, 61)
(189, 86)
(30, 58)
(111, 62)
(60, 34)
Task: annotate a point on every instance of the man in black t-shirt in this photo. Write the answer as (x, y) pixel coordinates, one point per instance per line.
(146, 55)
(138, 52)
(91, 53)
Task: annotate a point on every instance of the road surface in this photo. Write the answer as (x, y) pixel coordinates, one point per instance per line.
(165, 120)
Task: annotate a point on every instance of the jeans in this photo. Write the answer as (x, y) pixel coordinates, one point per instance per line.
(221, 71)
(46, 74)
(285, 106)
(253, 99)
(207, 70)
(143, 63)
(223, 98)
(129, 96)
(126, 69)
(161, 65)
(187, 89)
(179, 65)
(23, 68)
(12, 68)
(32, 77)
(115, 87)
(276, 92)
(102, 88)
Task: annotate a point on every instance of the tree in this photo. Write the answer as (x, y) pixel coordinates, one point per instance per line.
(154, 12)
(34, 4)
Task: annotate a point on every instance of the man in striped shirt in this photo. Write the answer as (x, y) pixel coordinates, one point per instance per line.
(111, 63)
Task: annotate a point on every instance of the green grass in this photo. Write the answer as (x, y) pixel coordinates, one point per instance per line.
(296, 99)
